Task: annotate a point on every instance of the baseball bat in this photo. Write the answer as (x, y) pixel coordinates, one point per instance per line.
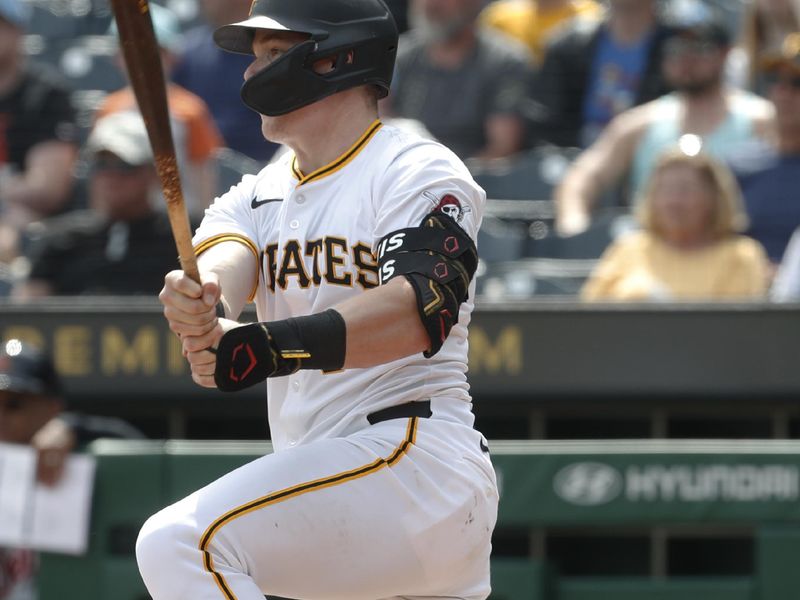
(143, 60)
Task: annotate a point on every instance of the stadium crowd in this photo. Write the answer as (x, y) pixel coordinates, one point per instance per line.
(656, 141)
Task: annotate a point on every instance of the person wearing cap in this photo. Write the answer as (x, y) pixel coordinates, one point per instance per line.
(196, 135)
(37, 134)
(768, 172)
(30, 400)
(763, 27)
(703, 110)
(32, 405)
(121, 244)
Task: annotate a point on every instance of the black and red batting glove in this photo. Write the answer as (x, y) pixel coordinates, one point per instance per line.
(245, 357)
(249, 354)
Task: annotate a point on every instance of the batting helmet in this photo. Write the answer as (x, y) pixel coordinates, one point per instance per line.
(360, 35)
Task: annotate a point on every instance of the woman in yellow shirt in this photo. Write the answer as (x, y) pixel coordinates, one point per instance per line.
(689, 247)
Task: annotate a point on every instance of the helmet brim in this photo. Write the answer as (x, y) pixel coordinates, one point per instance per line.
(238, 37)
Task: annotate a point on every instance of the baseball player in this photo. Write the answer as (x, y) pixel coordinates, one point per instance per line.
(358, 249)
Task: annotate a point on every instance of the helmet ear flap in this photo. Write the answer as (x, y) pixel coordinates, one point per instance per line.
(344, 58)
(336, 62)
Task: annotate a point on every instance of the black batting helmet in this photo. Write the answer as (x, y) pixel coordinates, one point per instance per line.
(360, 35)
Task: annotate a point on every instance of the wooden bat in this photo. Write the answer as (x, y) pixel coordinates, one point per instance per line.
(143, 59)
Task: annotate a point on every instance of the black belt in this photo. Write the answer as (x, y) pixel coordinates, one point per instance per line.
(401, 411)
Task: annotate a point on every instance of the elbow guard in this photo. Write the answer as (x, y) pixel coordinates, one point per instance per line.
(439, 259)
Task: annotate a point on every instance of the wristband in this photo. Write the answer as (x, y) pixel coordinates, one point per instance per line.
(249, 354)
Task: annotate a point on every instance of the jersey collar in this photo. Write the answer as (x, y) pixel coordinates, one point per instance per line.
(340, 162)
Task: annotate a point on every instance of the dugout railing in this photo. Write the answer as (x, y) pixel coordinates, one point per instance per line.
(647, 485)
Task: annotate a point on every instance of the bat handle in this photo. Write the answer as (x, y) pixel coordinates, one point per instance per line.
(190, 268)
(167, 168)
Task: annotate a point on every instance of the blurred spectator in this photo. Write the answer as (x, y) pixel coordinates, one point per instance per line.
(37, 134)
(121, 244)
(468, 86)
(30, 402)
(594, 70)
(196, 136)
(786, 287)
(769, 173)
(689, 248)
(703, 111)
(765, 25)
(217, 76)
(31, 405)
(533, 22)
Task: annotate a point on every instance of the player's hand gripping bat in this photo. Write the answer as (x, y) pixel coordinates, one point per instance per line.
(143, 60)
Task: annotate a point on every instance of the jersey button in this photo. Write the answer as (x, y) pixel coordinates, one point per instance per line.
(300, 199)
(296, 386)
(294, 224)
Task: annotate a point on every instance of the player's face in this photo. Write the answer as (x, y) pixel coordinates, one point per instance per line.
(269, 46)
(683, 204)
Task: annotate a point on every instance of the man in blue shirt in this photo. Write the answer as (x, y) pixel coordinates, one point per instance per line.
(593, 71)
(616, 74)
(216, 77)
(769, 175)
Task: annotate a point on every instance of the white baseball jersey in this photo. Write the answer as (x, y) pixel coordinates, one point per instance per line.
(315, 237)
(345, 510)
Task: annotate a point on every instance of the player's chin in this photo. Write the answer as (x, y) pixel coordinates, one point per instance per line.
(279, 130)
(270, 129)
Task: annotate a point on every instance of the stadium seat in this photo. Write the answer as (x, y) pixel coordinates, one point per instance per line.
(521, 279)
(507, 225)
(589, 244)
(529, 176)
(499, 241)
(67, 19)
(87, 62)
